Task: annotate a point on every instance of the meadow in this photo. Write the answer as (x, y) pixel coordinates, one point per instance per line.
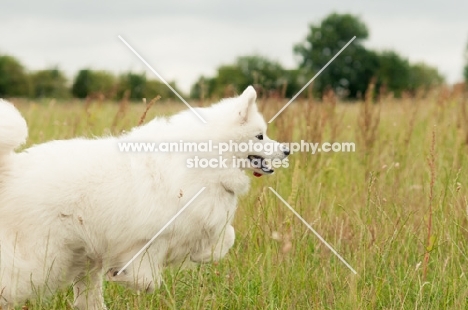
(395, 209)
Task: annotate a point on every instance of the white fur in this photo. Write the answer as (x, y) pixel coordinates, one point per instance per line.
(72, 211)
(13, 128)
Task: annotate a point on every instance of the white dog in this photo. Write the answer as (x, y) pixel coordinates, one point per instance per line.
(73, 211)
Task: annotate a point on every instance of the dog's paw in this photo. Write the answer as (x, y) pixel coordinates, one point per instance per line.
(139, 282)
(113, 275)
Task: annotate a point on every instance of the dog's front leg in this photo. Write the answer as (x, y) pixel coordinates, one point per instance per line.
(143, 274)
(88, 291)
(215, 248)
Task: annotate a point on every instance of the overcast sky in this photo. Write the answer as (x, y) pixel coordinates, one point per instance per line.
(185, 39)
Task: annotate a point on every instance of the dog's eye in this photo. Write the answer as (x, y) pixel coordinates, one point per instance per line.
(259, 137)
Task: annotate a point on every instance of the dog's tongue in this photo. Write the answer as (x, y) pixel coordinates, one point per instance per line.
(257, 174)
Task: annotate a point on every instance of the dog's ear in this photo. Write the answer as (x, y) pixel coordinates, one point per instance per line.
(248, 98)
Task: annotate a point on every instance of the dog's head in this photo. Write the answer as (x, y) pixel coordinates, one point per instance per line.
(255, 150)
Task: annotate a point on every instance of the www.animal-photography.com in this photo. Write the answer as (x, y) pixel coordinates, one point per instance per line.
(233, 155)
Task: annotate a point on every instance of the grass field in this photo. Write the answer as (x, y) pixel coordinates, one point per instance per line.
(396, 209)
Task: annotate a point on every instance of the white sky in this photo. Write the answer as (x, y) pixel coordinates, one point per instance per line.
(184, 39)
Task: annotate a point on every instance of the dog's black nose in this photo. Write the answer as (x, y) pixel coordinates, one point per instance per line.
(286, 151)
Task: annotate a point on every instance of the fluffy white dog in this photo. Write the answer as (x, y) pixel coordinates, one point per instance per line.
(73, 211)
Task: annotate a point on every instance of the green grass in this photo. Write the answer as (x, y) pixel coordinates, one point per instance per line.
(374, 206)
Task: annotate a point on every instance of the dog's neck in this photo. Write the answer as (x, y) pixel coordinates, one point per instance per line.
(237, 184)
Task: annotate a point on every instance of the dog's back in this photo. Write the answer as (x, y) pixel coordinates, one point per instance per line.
(74, 210)
(71, 204)
(13, 129)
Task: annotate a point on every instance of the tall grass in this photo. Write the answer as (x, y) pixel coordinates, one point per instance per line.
(396, 209)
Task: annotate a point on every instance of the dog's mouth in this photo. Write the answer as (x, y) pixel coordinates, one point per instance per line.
(259, 165)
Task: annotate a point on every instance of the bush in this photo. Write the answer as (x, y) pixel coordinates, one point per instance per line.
(14, 82)
(50, 83)
(89, 82)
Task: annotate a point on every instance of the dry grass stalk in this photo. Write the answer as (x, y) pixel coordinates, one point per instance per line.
(123, 106)
(329, 114)
(463, 117)
(369, 120)
(147, 108)
(430, 237)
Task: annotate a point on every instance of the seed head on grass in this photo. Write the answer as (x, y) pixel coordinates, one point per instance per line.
(147, 107)
(430, 237)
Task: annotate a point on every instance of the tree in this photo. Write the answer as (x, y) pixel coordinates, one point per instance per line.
(203, 88)
(266, 75)
(14, 82)
(465, 71)
(228, 77)
(260, 70)
(393, 72)
(139, 87)
(423, 76)
(351, 72)
(134, 83)
(155, 88)
(50, 83)
(88, 82)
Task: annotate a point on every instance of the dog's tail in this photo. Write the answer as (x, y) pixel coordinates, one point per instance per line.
(13, 129)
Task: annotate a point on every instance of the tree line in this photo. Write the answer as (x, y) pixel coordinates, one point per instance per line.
(348, 75)
(15, 81)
